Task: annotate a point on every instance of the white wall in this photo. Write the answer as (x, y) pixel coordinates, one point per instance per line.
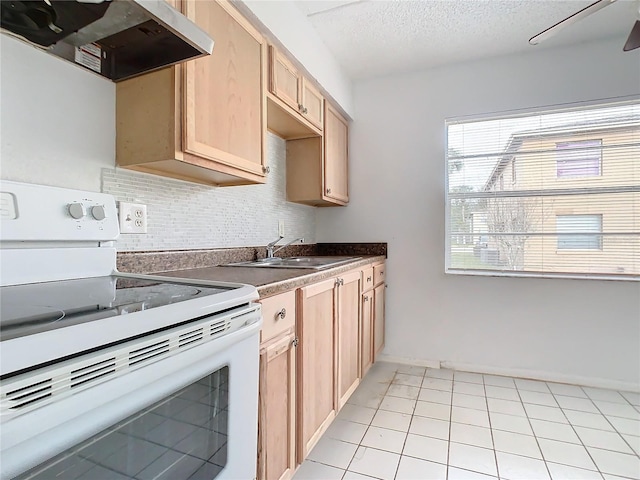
(57, 120)
(574, 330)
(294, 30)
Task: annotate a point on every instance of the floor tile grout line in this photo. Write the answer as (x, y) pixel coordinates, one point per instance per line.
(612, 426)
(450, 421)
(493, 443)
(377, 409)
(529, 419)
(576, 433)
(544, 460)
(607, 419)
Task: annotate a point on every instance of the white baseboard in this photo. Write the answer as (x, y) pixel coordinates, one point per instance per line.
(545, 376)
(518, 372)
(419, 362)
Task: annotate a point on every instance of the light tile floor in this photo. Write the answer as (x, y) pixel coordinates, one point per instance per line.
(406, 422)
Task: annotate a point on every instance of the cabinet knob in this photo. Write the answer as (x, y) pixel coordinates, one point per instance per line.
(366, 299)
(295, 342)
(300, 108)
(266, 169)
(368, 279)
(305, 110)
(328, 191)
(281, 314)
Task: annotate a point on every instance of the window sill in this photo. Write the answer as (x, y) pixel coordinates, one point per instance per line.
(547, 275)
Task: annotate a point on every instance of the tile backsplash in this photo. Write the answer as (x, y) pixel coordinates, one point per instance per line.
(183, 215)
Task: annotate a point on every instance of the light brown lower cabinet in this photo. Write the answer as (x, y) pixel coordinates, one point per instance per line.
(277, 409)
(348, 342)
(378, 325)
(366, 329)
(317, 399)
(306, 379)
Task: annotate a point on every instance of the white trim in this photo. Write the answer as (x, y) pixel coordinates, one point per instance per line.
(525, 274)
(516, 373)
(543, 109)
(545, 376)
(408, 361)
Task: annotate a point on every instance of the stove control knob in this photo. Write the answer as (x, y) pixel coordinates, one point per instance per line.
(98, 212)
(76, 210)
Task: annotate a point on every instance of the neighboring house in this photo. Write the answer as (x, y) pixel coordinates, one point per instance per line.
(594, 231)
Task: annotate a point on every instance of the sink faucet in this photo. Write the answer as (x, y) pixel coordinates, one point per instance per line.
(271, 251)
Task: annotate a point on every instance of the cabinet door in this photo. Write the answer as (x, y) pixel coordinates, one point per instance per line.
(285, 79)
(312, 103)
(366, 337)
(348, 335)
(276, 421)
(336, 136)
(316, 363)
(378, 321)
(224, 97)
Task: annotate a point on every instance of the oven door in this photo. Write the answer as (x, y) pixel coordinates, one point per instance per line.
(192, 415)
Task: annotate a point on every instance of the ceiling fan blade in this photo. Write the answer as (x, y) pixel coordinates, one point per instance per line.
(571, 19)
(633, 41)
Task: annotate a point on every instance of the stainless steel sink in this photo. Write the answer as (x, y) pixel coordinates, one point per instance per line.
(313, 263)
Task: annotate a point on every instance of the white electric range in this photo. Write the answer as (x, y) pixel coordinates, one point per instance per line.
(112, 375)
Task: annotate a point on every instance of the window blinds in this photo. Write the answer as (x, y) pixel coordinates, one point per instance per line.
(550, 193)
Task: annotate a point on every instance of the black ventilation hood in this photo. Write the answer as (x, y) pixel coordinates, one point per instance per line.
(117, 39)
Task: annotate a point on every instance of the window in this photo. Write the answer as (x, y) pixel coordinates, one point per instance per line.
(574, 210)
(574, 232)
(579, 159)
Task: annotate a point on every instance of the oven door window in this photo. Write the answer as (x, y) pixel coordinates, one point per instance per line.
(179, 438)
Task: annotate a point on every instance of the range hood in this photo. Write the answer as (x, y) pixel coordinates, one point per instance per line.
(117, 39)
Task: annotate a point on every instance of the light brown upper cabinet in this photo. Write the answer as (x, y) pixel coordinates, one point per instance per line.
(295, 106)
(317, 168)
(336, 138)
(311, 103)
(285, 80)
(203, 121)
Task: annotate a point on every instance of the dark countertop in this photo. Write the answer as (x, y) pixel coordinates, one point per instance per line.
(270, 281)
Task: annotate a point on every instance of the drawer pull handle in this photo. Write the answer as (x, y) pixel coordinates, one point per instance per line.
(368, 279)
(281, 314)
(366, 299)
(381, 272)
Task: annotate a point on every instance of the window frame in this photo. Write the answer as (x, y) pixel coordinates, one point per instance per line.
(573, 235)
(569, 176)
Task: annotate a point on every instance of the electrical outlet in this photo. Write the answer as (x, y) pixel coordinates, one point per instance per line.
(281, 228)
(133, 217)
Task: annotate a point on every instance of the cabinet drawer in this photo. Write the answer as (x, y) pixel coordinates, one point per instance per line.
(367, 279)
(379, 274)
(279, 314)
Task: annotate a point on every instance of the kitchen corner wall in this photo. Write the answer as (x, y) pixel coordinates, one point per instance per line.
(584, 331)
(184, 215)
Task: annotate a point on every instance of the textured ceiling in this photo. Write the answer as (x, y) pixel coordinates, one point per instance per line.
(372, 37)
